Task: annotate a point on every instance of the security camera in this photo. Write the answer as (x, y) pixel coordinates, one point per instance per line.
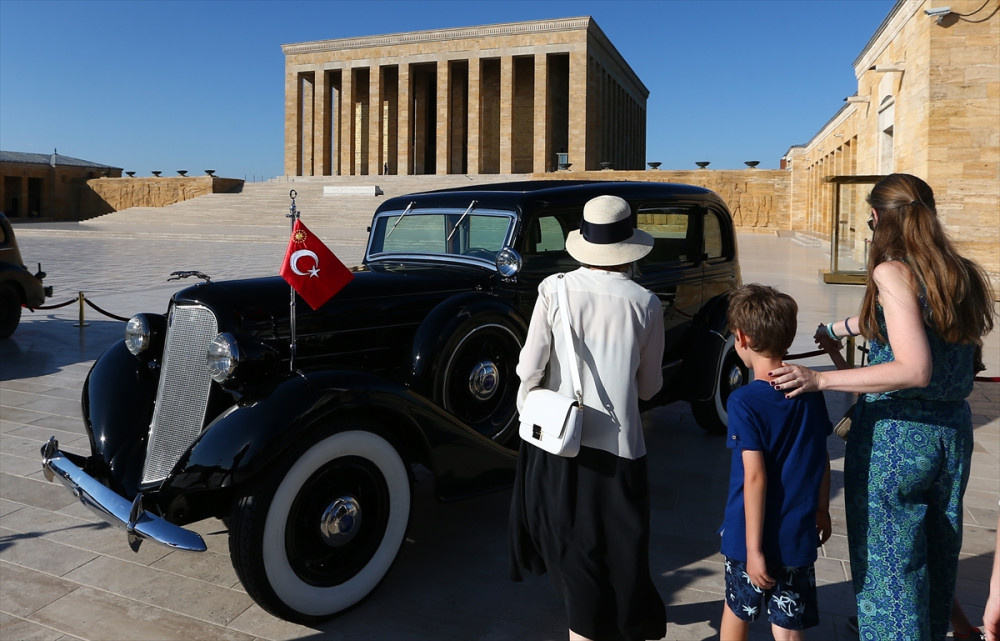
(938, 11)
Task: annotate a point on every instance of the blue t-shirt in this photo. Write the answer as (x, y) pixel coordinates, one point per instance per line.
(792, 434)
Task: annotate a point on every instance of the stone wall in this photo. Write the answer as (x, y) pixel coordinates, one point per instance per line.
(926, 104)
(122, 193)
(759, 199)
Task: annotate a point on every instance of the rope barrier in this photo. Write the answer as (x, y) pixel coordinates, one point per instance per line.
(99, 310)
(81, 299)
(69, 302)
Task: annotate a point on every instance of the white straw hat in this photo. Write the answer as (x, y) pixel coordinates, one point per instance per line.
(606, 236)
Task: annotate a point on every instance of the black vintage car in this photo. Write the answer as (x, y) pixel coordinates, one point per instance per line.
(201, 412)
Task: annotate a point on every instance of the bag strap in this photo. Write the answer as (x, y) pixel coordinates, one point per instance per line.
(568, 331)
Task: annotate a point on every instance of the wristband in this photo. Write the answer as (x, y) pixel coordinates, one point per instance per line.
(847, 327)
(829, 331)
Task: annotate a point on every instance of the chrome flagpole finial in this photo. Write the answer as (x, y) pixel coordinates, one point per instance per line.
(293, 212)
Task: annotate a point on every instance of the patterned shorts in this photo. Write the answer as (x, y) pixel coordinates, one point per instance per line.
(791, 603)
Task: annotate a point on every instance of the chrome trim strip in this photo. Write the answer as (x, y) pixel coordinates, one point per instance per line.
(115, 509)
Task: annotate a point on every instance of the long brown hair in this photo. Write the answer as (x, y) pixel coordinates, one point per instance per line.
(957, 291)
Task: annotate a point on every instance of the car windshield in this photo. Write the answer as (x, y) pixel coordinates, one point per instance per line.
(467, 234)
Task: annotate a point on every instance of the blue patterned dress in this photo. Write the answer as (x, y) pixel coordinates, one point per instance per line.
(905, 472)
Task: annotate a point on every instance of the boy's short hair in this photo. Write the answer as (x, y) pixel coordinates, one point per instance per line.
(766, 316)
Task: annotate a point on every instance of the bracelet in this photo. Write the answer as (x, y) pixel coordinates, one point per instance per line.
(848, 327)
(829, 331)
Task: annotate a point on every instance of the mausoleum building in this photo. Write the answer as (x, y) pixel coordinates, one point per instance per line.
(514, 98)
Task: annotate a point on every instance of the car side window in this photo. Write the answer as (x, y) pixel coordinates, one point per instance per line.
(671, 228)
(549, 235)
(713, 236)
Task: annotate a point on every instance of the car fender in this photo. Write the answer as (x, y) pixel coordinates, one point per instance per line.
(242, 442)
(440, 325)
(29, 288)
(118, 430)
(711, 330)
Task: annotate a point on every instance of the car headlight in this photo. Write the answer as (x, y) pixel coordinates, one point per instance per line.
(137, 334)
(223, 357)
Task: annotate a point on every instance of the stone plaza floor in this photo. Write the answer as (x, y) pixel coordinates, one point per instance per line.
(66, 575)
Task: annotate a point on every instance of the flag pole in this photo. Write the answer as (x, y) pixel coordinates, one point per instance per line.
(292, 214)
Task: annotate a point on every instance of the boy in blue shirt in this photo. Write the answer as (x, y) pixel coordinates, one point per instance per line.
(777, 512)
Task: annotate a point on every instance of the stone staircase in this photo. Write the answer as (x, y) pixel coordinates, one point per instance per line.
(259, 212)
(261, 208)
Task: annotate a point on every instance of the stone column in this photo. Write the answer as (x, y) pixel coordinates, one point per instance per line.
(374, 120)
(579, 109)
(405, 118)
(346, 119)
(472, 141)
(293, 123)
(308, 116)
(542, 159)
(442, 124)
(506, 113)
(321, 124)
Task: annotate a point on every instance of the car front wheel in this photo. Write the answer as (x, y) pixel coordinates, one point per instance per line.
(320, 533)
(477, 377)
(730, 374)
(10, 309)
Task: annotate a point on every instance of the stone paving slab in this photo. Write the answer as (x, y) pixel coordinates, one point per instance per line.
(65, 575)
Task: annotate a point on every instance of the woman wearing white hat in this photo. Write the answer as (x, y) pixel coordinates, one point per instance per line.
(585, 520)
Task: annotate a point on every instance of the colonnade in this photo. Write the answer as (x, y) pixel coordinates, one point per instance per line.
(420, 104)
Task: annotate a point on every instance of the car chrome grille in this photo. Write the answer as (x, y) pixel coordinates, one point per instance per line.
(182, 396)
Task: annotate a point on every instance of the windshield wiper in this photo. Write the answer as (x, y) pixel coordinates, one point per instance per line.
(406, 211)
(459, 221)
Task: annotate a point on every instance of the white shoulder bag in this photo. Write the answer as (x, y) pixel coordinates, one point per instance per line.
(550, 420)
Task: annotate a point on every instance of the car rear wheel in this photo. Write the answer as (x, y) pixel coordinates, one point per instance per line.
(320, 533)
(730, 375)
(10, 309)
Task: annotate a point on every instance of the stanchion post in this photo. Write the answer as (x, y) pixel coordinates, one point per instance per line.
(82, 323)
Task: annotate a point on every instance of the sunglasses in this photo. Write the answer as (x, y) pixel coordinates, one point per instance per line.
(871, 222)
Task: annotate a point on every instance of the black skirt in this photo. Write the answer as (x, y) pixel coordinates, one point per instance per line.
(585, 520)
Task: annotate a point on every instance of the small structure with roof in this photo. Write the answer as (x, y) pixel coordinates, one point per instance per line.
(49, 186)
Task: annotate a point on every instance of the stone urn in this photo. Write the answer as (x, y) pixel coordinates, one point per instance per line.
(751, 163)
(182, 172)
(702, 164)
(654, 165)
(210, 172)
(607, 165)
(564, 166)
(130, 173)
(157, 173)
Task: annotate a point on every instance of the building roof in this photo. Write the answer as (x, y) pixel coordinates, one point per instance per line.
(49, 159)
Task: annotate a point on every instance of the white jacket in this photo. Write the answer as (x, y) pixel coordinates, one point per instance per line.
(618, 331)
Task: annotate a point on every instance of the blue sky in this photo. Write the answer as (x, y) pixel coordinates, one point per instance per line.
(171, 85)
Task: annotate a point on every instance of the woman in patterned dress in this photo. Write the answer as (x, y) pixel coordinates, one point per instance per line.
(925, 311)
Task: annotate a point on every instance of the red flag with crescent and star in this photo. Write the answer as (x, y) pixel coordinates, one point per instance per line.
(311, 268)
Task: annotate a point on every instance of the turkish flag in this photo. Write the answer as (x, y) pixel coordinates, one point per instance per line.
(311, 268)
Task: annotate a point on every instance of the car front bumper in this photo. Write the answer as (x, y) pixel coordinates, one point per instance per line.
(115, 509)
